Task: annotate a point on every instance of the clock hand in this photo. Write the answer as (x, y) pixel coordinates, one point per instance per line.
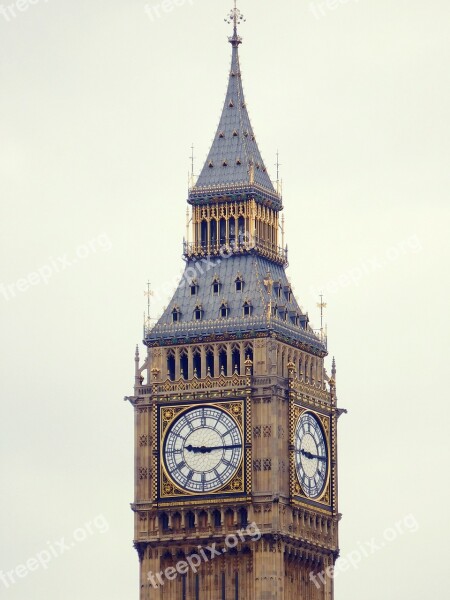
(225, 447)
(309, 455)
(205, 450)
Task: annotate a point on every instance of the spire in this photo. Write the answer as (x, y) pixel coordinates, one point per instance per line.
(234, 158)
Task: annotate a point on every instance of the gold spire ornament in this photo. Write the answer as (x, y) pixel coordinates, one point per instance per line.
(147, 317)
(322, 305)
(236, 17)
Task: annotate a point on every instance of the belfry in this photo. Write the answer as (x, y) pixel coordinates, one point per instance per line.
(235, 415)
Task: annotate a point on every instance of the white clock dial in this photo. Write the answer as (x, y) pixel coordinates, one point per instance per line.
(203, 449)
(311, 455)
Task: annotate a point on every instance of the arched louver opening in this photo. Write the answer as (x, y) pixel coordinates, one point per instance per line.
(223, 231)
(204, 234)
(210, 362)
(236, 357)
(197, 363)
(184, 364)
(171, 365)
(223, 361)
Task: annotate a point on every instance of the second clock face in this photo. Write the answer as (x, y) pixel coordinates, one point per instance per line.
(311, 456)
(203, 449)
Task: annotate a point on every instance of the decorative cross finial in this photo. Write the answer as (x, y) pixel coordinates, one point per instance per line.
(235, 17)
(147, 318)
(322, 305)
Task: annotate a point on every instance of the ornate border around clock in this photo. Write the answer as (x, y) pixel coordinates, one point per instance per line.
(297, 493)
(167, 414)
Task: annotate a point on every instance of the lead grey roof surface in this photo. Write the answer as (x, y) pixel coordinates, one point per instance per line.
(253, 269)
(234, 142)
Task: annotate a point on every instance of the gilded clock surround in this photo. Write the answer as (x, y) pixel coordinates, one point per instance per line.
(168, 488)
(297, 490)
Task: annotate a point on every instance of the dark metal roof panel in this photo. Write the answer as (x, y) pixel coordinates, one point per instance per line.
(234, 141)
(253, 269)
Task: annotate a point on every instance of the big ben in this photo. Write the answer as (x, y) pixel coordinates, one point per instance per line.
(235, 415)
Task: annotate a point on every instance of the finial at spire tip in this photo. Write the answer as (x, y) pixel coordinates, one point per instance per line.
(236, 17)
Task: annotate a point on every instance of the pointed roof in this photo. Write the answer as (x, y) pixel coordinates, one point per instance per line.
(234, 157)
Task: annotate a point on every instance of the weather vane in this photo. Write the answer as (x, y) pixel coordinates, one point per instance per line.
(236, 17)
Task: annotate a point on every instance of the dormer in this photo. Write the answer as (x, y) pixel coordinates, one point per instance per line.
(198, 312)
(239, 283)
(216, 285)
(247, 308)
(176, 314)
(193, 287)
(224, 310)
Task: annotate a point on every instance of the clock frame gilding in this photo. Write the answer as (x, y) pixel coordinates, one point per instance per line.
(298, 493)
(169, 486)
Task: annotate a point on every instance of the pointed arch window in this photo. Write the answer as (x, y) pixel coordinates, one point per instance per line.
(236, 359)
(223, 231)
(184, 364)
(210, 362)
(171, 365)
(197, 363)
(239, 283)
(223, 361)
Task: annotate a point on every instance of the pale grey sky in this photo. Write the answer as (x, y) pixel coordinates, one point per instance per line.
(99, 104)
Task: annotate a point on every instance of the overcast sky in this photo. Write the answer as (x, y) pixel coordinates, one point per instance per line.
(100, 102)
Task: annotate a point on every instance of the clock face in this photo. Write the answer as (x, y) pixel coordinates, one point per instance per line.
(203, 449)
(311, 455)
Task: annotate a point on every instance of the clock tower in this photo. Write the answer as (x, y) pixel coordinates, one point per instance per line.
(235, 415)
